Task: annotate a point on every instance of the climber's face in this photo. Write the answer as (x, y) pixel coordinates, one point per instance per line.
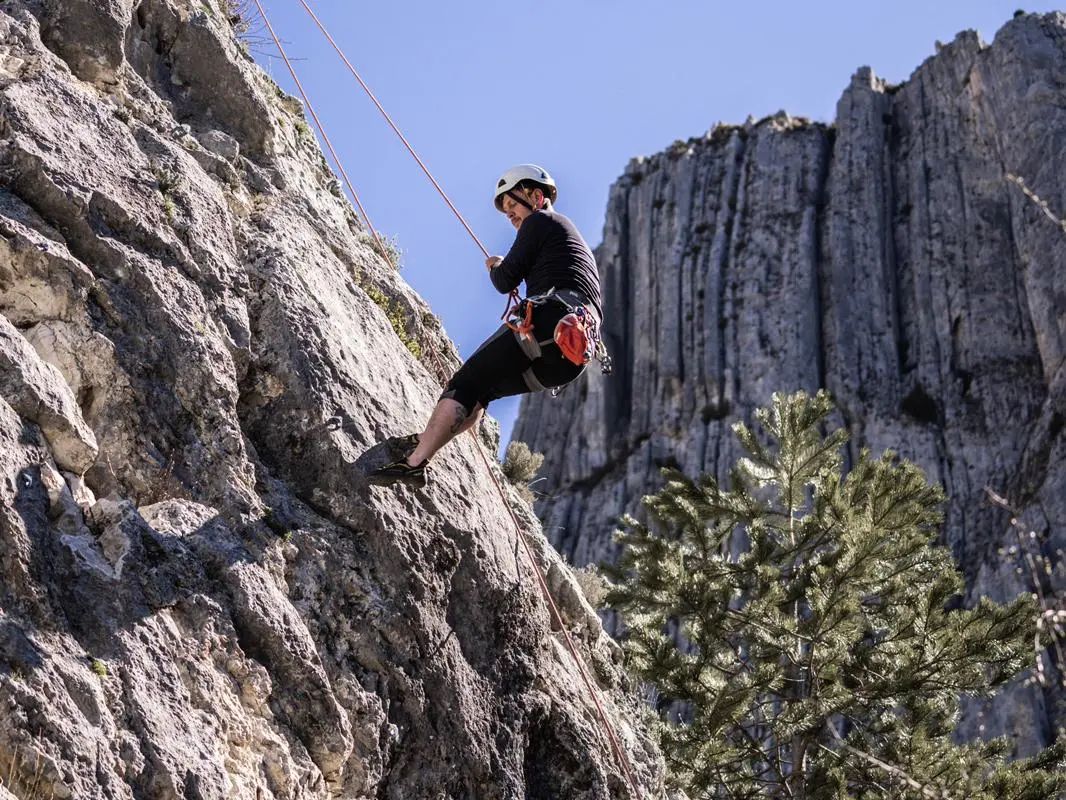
(515, 211)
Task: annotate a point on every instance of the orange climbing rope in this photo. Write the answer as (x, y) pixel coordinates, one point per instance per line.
(392, 124)
(325, 138)
(512, 299)
(556, 615)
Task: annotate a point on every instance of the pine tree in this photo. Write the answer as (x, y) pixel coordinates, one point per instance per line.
(811, 631)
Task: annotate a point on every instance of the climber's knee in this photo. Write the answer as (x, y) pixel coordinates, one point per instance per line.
(463, 391)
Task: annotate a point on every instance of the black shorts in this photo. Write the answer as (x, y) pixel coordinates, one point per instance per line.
(500, 367)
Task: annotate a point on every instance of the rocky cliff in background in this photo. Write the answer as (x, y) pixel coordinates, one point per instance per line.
(884, 258)
(200, 597)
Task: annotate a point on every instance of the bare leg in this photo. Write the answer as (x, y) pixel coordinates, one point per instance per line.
(448, 420)
(472, 420)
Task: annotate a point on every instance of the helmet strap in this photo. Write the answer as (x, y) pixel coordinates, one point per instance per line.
(518, 198)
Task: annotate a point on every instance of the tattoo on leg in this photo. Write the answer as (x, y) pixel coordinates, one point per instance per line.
(460, 418)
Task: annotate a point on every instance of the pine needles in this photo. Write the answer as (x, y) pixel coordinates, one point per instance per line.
(805, 632)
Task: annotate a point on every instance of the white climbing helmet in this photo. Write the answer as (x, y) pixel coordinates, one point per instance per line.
(529, 173)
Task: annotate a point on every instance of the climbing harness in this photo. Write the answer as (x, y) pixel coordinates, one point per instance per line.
(513, 299)
(577, 334)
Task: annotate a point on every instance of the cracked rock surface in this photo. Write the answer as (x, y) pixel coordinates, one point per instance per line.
(885, 258)
(200, 596)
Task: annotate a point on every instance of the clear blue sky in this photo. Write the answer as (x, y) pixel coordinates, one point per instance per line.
(578, 86)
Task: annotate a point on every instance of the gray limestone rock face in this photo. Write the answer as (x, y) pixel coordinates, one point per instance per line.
(37, 391)
(886, 258)
(200, 594)
(220, 144)
(88, 35)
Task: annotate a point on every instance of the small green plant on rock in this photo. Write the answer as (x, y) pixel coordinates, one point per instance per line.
(168, 182)
(272, 521)
(388, 247)
(395, 314)
(170, 210)
(393, 253)
(99, 666)
(261, 202)
(289, 103)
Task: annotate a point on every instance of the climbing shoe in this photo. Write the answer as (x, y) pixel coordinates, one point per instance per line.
(398, 470)
(403, 446)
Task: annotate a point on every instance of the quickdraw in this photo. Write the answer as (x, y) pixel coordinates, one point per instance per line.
(523, 326)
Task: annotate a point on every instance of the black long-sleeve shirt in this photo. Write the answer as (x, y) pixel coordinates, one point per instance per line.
(549, 251)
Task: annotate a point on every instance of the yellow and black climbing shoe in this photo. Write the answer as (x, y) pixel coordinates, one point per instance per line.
(399, 471)
(403, 446)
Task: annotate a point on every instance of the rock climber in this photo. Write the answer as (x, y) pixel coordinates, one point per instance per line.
(562, 306)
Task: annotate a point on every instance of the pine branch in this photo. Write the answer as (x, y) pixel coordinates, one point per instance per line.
(1052, 618)
(833, 608)
(889, 769)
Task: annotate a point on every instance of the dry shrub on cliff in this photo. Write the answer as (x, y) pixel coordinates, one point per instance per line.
(247, 25)
(520, 465)
(593, 585)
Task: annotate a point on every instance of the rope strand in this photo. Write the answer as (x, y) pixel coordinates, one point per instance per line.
(325, 138)
(392, 124)
(513, 298)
